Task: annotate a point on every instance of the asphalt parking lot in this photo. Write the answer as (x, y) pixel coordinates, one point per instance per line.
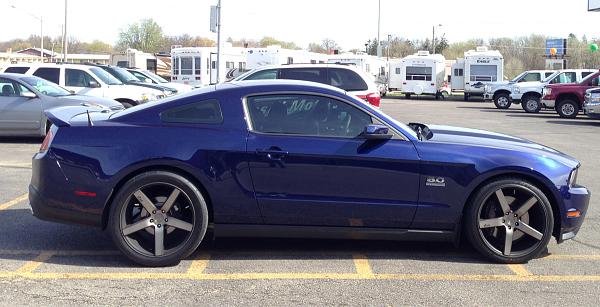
(46, 263)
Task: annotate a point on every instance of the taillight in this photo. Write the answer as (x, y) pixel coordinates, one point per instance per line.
(46, 142)
(374, 99)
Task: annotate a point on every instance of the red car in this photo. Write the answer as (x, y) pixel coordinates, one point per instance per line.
(567, 99)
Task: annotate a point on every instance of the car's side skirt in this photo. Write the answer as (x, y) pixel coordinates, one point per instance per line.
(319, 232)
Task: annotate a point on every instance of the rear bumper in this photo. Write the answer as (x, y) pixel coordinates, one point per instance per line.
(574, 199)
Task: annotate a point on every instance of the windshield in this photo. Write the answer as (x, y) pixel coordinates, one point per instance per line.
(46, 87)
(377, 111)
(105, 76)
(155, 77)
(519, 77)
(123, 74)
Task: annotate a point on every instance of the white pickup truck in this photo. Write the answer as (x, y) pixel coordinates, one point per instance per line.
(529, 94)
(500, 92)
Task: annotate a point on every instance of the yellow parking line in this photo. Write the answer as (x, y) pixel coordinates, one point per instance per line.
(199, 265)
(13, 202)
(61, 252)
(30, 266)
(16, 165)
(362, 264)
(572, 257)
(519, 269)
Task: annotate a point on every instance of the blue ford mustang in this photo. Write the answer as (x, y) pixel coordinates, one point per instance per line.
(297, 159)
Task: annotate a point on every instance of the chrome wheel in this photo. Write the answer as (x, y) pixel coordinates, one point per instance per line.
(567, 109)
(502, 101)
(157, 219)
(513, 220)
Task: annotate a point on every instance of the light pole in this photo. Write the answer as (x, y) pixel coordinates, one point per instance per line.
(433, 42)
(65, 43)
(41, 31)
(388, 46)
(379, 31)
(218, 41)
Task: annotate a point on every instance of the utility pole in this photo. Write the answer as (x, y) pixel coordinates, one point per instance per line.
(218, 41)
(65, 42)
(379, 31)
(388, 46)
(433, 41)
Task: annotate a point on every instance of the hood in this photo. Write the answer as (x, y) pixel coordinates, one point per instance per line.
(475, 137)
(153, 86)
(90, 101)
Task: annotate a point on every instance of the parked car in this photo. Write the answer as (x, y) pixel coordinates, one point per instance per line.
(150, 77)
(500, 91)
(592, 103)
(88, 80)
(287, 158)
(345, 77)
(530, 93)
(24, 99)
(127, 78)
(568, 98)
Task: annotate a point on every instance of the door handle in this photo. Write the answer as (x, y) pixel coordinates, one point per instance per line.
(273, 153)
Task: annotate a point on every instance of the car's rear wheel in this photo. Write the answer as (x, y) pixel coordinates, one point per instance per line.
(509, 221)
(531, 104)
(407, 96)
(502, 101)
(567, 108)
(158, 218)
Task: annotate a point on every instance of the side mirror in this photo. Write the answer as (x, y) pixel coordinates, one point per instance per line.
(377, 132)
(29, 95)
(94, 84)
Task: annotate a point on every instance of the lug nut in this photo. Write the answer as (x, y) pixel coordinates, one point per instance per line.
(163, 211)
(503, 221)
(516, 224)
(516, 215)
(507, 213)
(166, 220)
(158, 225)
(508, 227)
(153, 211)
(151, 220)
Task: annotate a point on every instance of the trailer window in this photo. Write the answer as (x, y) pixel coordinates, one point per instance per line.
(290, 60)
(197, 66)
(418, 73)
(484, 73)
(176, 66)
(458, 72)
(398, 70)
(186, 65)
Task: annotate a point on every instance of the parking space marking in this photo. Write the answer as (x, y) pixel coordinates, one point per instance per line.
(16, 165)
(199, 265)
(572, 257)
(30, 266)
(361, 262)
(61, 252)
(519, 269)
(13, 202)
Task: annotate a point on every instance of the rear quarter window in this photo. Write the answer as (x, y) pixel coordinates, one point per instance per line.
(204, 112)
(17, 70)
(50, 74)
(305, 74)
(347, 80)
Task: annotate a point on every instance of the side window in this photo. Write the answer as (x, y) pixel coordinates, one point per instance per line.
(306, 74)
(398, 70)
(346, 80)
(77, 78)
(306, 115)
(139, 75)
(595, 81)
(548, 74)
(8, 88)
(197, 66)
(585, 74)
(50, 74)
(531, 77)
(204, 112)
(268, 74)
(17, 70)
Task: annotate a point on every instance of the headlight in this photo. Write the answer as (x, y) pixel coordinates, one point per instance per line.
(547, 91)
(147, 97)
(593, 98)
(516, 90)
(573, 177)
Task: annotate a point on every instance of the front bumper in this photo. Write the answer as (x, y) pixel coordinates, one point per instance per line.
(548, 103)
(576, 198)
(592, 111)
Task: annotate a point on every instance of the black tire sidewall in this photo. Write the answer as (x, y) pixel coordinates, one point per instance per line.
(498, 105)
(525, 101)
(571, 102)
(200, 217)
(471, 221)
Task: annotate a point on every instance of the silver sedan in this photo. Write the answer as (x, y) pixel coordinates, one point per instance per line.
(24, 99)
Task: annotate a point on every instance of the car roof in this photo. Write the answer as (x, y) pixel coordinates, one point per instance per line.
(51, 65)
(306, 65)
(12, 75)
(283, 83)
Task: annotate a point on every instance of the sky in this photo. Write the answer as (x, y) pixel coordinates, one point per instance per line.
(349, 22)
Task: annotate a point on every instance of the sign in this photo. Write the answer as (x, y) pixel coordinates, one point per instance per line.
(560, 44)
(214, 16)
(594, 5)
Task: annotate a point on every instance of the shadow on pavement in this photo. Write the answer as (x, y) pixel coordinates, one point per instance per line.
(21, 140)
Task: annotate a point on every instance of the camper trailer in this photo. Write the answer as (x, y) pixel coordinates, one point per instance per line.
(372, 65)
(275, 55)
(159, 64)
(197, 66)
(418, 74)
(479, 67)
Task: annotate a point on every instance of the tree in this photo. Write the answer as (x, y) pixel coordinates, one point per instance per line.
(270, 41)
(145, 35)
(329, 45)
(315, 47)
(441, 44)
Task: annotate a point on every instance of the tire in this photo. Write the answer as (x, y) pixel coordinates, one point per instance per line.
(490, 226)
(531, 104)
(567, 108)
(407, 96)
(182, 225)
(502, 101)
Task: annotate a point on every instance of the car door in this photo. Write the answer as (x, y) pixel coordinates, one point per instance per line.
(19, 115)
(311, 167)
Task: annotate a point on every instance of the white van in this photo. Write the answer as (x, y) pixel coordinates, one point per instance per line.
(418, 74)
(88, 80)
(478, 68)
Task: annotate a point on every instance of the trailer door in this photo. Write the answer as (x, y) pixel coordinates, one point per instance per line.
(458, 78)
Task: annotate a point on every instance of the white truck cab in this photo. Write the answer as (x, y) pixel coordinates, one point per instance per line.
(88, 80)
(530, 93)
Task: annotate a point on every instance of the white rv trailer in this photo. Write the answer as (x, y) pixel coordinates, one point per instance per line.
(421, 74)
(197, 66)
(133, 58)
(475, 70)
(275, 55)
(372, 65)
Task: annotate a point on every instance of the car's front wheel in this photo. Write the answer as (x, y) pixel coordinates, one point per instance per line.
(509, 221)
(531, 104)
(502, 101)
(567, 108)
(158, 218)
